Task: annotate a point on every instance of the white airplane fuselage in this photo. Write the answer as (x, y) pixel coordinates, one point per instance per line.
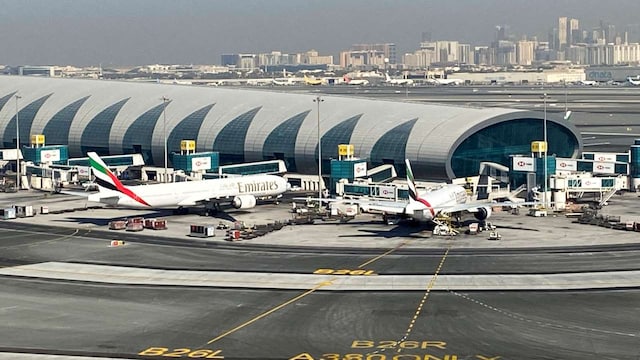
(190, 193)
(436, 201)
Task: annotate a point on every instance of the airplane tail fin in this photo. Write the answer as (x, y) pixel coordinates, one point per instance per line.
(108, 180)
(104, 177)
(413, 191)
(411, 182)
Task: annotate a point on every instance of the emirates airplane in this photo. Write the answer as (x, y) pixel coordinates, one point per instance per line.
(426, 206)
(241, 191)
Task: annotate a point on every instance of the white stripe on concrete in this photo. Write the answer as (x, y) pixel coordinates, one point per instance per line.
(142, 276)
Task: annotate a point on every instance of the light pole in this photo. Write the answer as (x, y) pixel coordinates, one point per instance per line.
(18, 97)
(566, 96)
(164, 132)
(544, 129)
(318, 100)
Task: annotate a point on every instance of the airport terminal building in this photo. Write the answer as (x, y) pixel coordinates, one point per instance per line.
(243, 125)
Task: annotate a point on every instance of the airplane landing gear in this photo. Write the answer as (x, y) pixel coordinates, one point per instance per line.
(181, 211)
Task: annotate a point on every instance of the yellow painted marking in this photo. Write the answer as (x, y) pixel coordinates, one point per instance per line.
(267, 313)
(425, 297)
(383, 255)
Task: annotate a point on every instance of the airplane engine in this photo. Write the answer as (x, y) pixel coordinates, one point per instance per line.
(244, 202)
(483, 213)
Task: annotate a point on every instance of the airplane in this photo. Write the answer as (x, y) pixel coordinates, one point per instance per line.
(312, 81)
(634, 80)
(350, 81)
(241, 192)
(283, 81)
(443, 81)
(588, 82)
(428, 205)
(391, 81)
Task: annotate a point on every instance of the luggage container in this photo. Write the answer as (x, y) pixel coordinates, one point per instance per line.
(155, 224)
(8, 213)
(203, 231)
(473, 228)
(234, 235)
(135, 224)
(44, 209)
(117, 225)
(24, 211)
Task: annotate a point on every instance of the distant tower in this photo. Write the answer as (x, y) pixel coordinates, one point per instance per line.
(502, 32)
(562, 33)
(574, 32)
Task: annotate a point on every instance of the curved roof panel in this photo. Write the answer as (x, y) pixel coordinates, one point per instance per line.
(242, 121)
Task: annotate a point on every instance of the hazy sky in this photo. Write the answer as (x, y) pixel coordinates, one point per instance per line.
(133, 32)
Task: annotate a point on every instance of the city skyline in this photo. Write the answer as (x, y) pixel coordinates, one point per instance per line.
(119, 32)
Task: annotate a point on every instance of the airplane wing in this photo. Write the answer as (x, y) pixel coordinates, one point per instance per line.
(75, 193)
(195, 200)
(389, 207)
(475, 207)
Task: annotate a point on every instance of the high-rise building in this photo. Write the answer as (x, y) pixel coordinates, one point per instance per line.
(562, 33)
(389, 50)
(483, 55)
(464, 54)
(362, 58)
(574, 32)
(502, 32)
(229, 59)
(446, 52)
(525, 52)
(505, 53)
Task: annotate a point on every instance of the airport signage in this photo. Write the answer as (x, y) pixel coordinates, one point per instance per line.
(200, 163)
(388, 192)
(47, 156)
(606, 157)
(83, 171)
(599, 75)
(566, 165)
(591, 183)
(603, 167)
(523, 163)
(359, 169)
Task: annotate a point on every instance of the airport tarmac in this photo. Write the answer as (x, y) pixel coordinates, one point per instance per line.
(356, 290)
(366, 231)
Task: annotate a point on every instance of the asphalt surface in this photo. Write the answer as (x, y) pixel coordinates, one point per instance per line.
(55, 316)
(149, 320)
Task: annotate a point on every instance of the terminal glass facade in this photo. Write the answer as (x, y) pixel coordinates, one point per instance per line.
(187, 129)
(137, 139)
(57, 129)
(230, 141)
(95, 136)
(391, 148)
(339, 134)
(281, 142)
(5, 99)
(26, 116)
(495, 143)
